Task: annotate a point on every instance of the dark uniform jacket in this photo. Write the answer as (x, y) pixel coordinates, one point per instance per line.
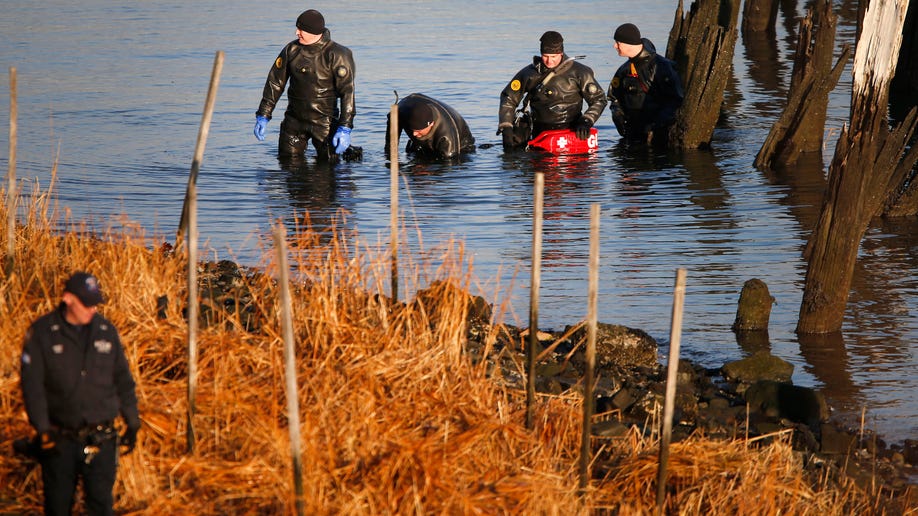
(319, 74)
(75, 377)
(449, 136)
(645, 93)
(555, 96)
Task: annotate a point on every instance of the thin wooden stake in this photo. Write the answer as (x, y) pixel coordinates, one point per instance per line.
(293, 404)
(203, 131)
(11, 176)
(393, 194)
(675, 335)
(192, 231)
(531, 351)
(592, 296)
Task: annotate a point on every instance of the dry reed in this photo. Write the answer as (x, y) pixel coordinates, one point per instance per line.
(395, 419)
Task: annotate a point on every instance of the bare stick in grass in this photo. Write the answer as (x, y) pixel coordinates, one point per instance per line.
(669, 403)
(202, 139)
(534, 294)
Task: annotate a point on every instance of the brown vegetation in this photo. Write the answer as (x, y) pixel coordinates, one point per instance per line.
(395, 418)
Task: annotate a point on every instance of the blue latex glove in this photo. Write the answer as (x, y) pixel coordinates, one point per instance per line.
(342, 139)
(260, 124)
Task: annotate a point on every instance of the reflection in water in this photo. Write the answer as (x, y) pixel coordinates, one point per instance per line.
(806, 184)
(705, 182)
(319, 192)
(751, 342)
(828, 361)
(765, 69)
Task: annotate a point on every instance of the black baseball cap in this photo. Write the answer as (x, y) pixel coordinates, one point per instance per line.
(84, 286)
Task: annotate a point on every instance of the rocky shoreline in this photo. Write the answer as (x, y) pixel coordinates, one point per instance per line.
(748, 398)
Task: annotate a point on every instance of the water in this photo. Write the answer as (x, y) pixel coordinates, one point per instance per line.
(115, 90)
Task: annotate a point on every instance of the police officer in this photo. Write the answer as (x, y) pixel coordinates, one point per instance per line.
(321, 75)
(645, 91)
(555, 87)
(75, 381)
(434, 129)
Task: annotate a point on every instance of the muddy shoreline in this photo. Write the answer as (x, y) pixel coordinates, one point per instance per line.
(752, 398)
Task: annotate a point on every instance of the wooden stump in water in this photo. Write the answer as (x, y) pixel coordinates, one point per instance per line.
(754, 308)
(702, 45)
(867, 165)
(802, 123)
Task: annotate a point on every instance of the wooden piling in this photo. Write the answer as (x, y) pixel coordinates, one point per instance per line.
(191, 200)
(203, 131)
(11, 177)
(293, 404)
(754, 307)
(533, 345)
(188, 224)
(866, 166)
(801, 125)
(702, 45)
(592, 295)
(669, 403)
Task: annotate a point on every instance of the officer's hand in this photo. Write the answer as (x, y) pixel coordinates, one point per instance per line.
(342, 139)
(261, 123)
(47, 443)
(128, 440)
(583, 128)
(507, 134)
(618, 118)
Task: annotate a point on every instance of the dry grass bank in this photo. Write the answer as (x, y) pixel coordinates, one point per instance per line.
(395, 419)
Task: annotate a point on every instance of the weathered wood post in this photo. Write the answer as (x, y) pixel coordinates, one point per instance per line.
(293, 403)
(189, 224)
(536, 274)
(191, 231)
(867, 162)
(592, 295)
(11, 177)
(203, 131)
(802, 123)
(393, 196)
(672, 377)
(702, 46)
(754, 307)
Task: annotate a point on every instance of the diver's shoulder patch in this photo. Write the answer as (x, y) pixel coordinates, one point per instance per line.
(592, 88)
(341, 71)
(279, 62)
(515, 85)
(616, 81)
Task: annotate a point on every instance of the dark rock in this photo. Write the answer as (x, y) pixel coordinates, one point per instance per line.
(836, 441)
(759, 366)
(618, 345)
(609, 429)
(910, 451)
(787, 401)
(624, 399)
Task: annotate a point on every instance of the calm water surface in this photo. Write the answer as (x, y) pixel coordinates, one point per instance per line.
(116, 90)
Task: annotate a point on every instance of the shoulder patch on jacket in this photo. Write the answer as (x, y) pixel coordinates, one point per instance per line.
(341, 71)
(515, 85)
(279, 62)
(616, 81)
(592, 88)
